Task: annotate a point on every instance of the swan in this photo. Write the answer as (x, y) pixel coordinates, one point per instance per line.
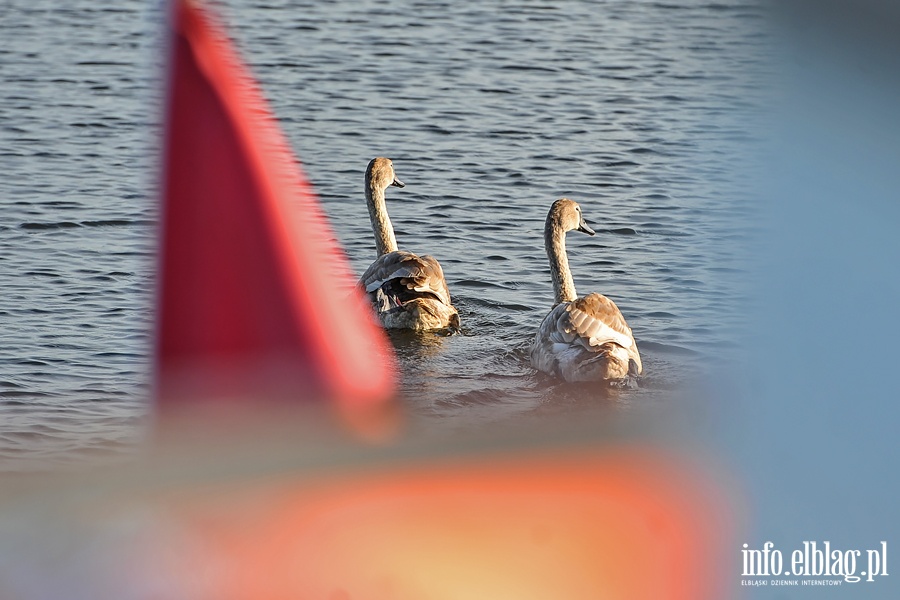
(582, 338)
(406, 290)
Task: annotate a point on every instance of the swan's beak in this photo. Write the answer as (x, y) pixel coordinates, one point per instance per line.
(397, 183)
(583, 227)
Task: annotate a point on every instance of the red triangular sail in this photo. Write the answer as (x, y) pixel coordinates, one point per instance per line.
(255, 297)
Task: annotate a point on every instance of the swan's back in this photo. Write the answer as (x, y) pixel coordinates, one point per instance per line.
(409, 292)
(421, 274)
(586, 340)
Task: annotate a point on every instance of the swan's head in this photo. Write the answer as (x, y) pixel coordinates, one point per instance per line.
(380, 174)
(565, 215)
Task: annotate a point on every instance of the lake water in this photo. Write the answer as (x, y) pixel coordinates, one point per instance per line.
(641, 111)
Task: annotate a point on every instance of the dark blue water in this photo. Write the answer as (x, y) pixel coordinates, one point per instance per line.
(640, 111)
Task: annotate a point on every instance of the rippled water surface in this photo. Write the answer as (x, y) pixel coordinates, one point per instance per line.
(490, 110)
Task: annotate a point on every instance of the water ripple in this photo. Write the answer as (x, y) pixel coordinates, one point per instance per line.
(635, 109)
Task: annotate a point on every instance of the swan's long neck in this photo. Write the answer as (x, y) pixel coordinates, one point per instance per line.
(555, 243)
(385, 241)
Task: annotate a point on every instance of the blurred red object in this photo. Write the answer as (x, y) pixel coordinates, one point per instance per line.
(256, 300)
(579, 524)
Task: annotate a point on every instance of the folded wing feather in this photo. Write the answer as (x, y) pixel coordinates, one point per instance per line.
(422, 274)
(591, 322)
(597, 320)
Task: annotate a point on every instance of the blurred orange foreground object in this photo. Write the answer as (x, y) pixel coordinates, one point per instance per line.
(256, 301)
(573, 526)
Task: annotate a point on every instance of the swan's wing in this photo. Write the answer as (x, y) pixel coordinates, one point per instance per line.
(420, 274)
(551, 341)
(589, 323)
(597, 320)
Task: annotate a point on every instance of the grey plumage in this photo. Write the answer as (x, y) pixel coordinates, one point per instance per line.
(586, 338)
(406, 290)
